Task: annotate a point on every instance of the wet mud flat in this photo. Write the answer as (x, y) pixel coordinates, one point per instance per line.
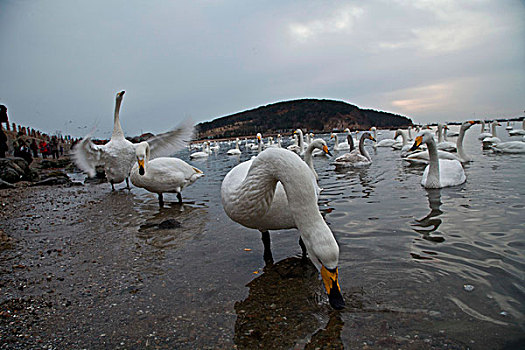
(87, 268)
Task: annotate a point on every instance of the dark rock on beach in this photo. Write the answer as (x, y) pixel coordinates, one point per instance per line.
(16, 169)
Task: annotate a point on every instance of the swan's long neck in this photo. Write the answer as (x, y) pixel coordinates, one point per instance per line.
(404, 137)
(433, 164)
(440, 133)
(336, 139)
(117, 129)
(494, 129)
(362, 149)
(259, 148)
(301, 140)
(308, 159)
(445, 134)
(237, 144)
(459, 145)
(409, 133)
(482, 127)
(255, 195)
(523, 124)
(350, 141)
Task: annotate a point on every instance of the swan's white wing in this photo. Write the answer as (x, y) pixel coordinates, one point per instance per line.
(451, 173)
(87, 156)
(166, 144)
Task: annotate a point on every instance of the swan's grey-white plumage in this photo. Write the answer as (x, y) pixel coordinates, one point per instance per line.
(439, 172)
(275, 191)
(118, 155)
(163, 174)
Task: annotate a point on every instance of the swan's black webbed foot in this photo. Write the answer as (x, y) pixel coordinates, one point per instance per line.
(161, 200)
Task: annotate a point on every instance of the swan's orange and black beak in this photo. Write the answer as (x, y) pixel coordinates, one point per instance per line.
(472, 122)
(371, 138)
(141, 167)
(326, 150)
(417, 143)
(331, 283)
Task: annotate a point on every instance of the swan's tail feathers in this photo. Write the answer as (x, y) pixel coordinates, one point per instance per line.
(166, 144)
(87, 156)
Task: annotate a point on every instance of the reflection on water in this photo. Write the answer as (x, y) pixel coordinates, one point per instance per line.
(430, 223)
(171, 227)
(283, 309)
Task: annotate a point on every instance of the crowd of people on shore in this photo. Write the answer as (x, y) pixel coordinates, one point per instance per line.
(29, 144)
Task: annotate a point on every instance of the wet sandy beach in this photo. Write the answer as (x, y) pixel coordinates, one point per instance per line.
(84, 270)
(88, 268)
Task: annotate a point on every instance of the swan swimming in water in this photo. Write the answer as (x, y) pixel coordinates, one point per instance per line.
(518, 132)
(356, 158)
(205, 153)
(274, 191)
(163, 174)
(488, 142)
(423, 156)
(234, 151)
(439, 172)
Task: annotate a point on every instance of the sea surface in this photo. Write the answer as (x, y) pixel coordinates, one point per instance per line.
(433, 268)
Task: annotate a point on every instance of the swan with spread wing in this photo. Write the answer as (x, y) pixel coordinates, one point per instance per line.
(119, 155)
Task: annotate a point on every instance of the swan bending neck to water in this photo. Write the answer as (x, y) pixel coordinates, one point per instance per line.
(439, 172)
(249, 197)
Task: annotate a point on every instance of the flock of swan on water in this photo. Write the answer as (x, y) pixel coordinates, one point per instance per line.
(277, 189)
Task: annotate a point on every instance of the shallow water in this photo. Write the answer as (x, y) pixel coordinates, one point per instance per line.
(404, 250)
(408, 259)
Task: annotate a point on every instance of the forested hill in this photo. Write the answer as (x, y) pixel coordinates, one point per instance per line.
(309, 114)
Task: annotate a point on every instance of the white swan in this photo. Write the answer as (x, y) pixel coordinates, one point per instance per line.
(163, 174)
(275, 191)
(483, 134)
(493, 139)
(518, 132)
(423, 157)
(439, 172)
(509, 147)
(118, 155)
(343, 146)
(205, 153)
(385, 142)
(294, 147)
(234, 151)
(356, 158)
(315, 145)
(443, 144)
(404, 140)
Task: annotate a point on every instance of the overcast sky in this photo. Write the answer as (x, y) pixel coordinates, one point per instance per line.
(62, 62)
